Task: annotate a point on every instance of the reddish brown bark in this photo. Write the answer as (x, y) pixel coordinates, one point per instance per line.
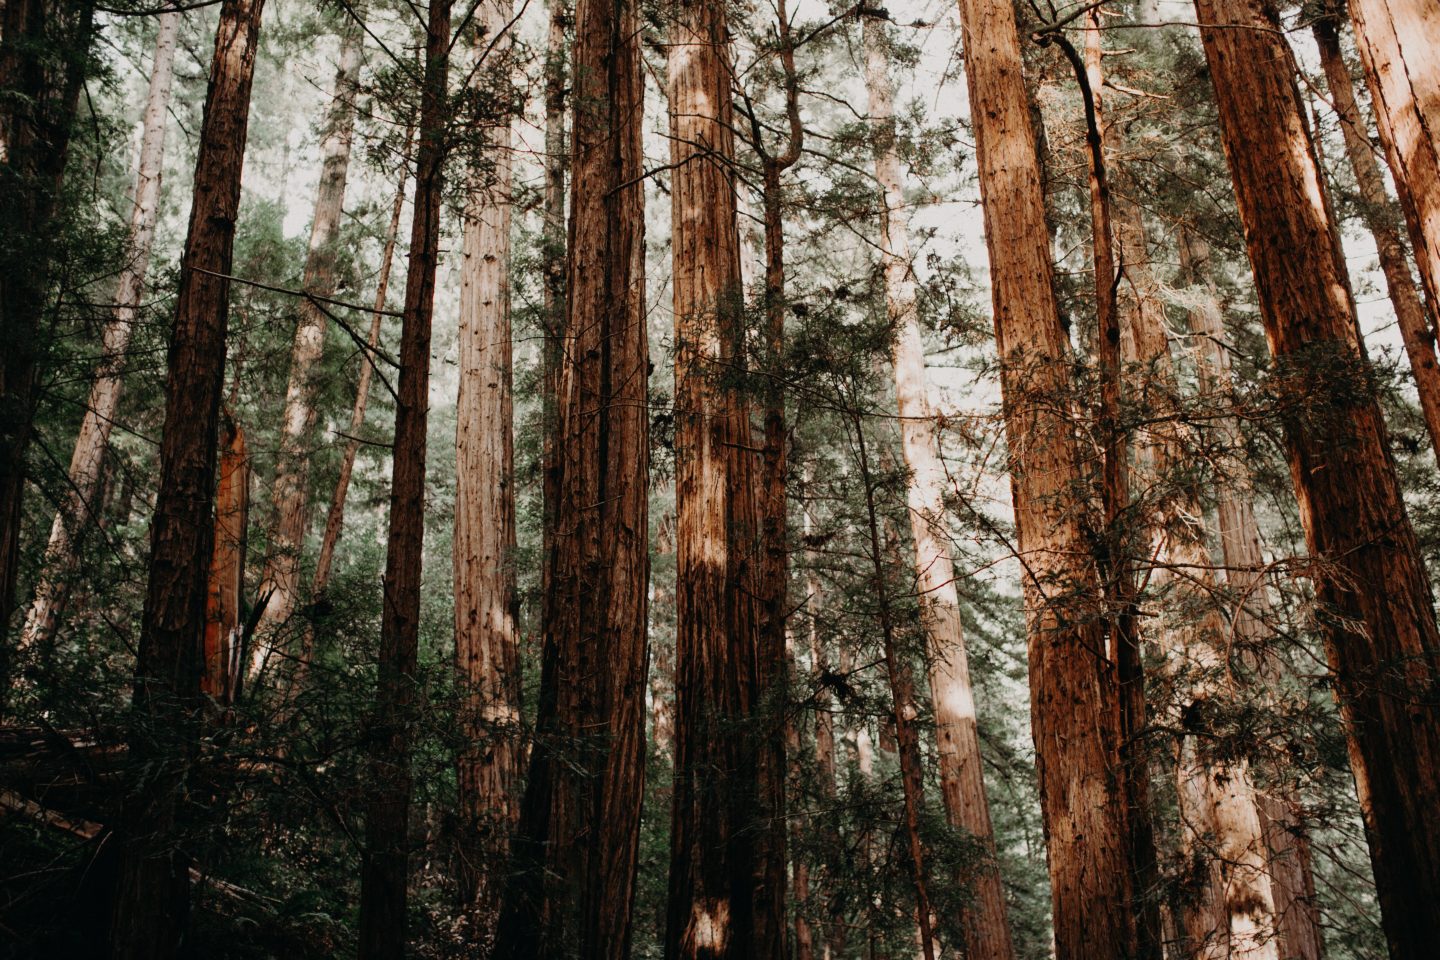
(227, 568)
(1075, 695)
(1376, 608)
(152, 894)
(577, 848)
(384, 872)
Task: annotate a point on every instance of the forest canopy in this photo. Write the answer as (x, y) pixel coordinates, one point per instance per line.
(719, 480)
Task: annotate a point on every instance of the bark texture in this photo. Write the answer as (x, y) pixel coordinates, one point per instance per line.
(1415, 327)
(384, 871)
(487, 633)
(1374, 593)
(574, 882)
(1397, 40)
(1075, 710)
(281, 581)
(223, 621)
(714, 865)
(79, 511)
(152, 896)
(985, 929)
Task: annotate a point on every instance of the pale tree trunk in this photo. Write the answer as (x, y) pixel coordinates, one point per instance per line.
(280, 584)
(1219, 807)
(80, 510)
(152, 895)
(487, 632)
(335, 516)
(713, 902)
(1397, 40)
(227, 567)
(1415, 327)
(384, 869)
(1371, 584)
(1075, 695)
(986, 931)
(577, 848)
(1292, 883)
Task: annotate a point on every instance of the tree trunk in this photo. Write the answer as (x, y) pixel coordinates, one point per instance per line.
(1075, 696)
(552, 241)
(79, 509)
(1397, 40)
(44, 51)
(578, 846)
(1415, 328)
(713, 900)
(487, 632)
(985, 929)
(152, 895)
(384, 871)
(281, 581)
(335, 517)
(1218, 804)
(1371, 583)
(227, 568)
(1291, 881)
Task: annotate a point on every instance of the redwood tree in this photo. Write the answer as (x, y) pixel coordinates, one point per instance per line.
(1376, 611)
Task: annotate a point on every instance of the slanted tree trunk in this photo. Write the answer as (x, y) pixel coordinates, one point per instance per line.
(79, 510)
(577, 848)
(1374, 592)
(1397, 40)
(1235, 911)
(281, 581)
(153, 888)
(487, 632)
(713, 900)
(1075, 696)
(384, 871)
(962, 786)
(44, 50)
(227, 567)
(335, 516)
(1379, 212)
(1292, 883)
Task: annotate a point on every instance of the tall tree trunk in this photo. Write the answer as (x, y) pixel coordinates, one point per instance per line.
(384, 871)
(1218, 804)
(552, 240)
(578, 844)
(335, 516)
(281, 581)
(1397, 40)
(1415, 328)
(487, 631)
(153, 887)
(44, 51)
(1378, 617)
(1292, 883)
(962, 786)
(713, 902)
(227, 567)
(1075, 695)
(79, 510)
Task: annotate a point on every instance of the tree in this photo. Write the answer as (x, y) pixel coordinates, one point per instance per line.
(962, 784)
(487, 632)
(153, 883)
(1415, 329)
(1397, 41)
(577, 843)
(385, 868)
(280, 585)
(78, 511)
(44, 54)
(1377, 615)
(1075, 712)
